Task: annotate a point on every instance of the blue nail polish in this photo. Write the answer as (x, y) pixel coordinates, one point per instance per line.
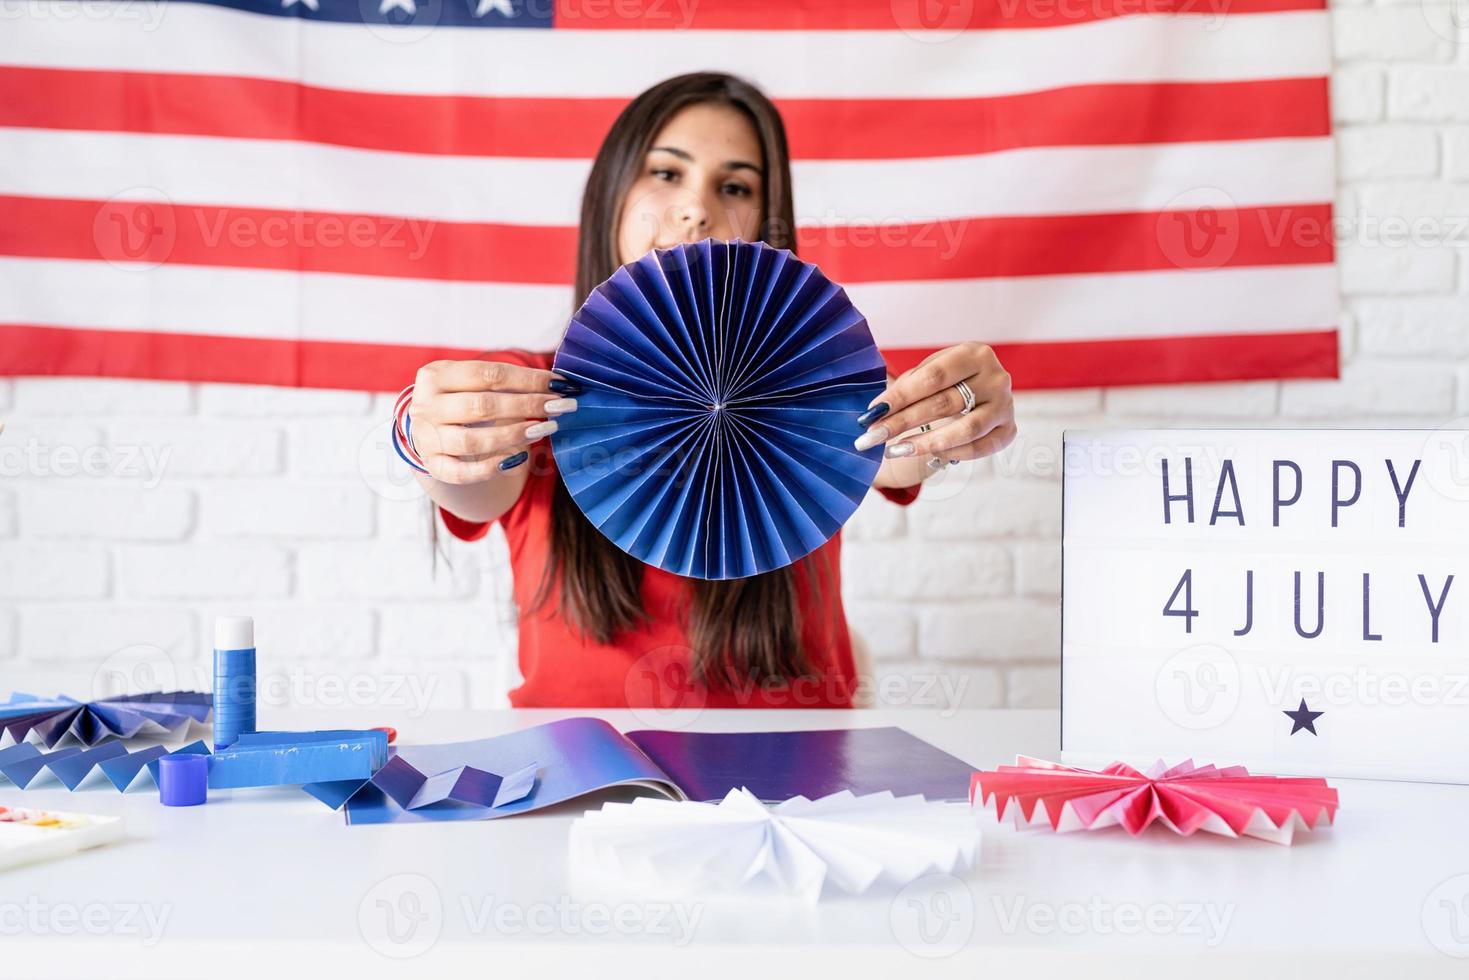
(873, 414)
(510, 462)
(563, 386)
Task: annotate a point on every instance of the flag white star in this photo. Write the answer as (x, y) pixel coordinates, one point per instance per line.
(308, 4)
(409, 7)
(505, 8)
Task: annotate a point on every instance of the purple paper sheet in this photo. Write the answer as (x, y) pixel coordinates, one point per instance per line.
(777, 766)
(578, 756)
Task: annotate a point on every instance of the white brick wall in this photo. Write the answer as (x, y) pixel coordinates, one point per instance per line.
(132, 513)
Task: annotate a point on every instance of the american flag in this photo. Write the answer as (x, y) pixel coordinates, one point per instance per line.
(330, 193)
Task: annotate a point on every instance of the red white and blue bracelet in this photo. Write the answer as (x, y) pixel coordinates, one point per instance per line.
(403, 431)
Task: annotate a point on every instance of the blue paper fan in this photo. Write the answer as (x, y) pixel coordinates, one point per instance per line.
(721, 387)
(49, 720)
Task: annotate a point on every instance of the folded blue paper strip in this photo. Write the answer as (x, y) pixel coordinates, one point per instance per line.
(298, 758)
(722, 382)
(193, 748)
(124, 769)
(403, 784)
(256, 759)
(412, 790)
(21, 764)
(49, 720)
(75, 767)
(335, 793)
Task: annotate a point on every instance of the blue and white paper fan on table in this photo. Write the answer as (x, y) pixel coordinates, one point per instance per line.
(49, 720)
(722, 382)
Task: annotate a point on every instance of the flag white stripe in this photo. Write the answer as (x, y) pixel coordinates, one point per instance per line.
(192, 38)
(1100, 307)
(256, 303)
(268, 304)
(286, 176)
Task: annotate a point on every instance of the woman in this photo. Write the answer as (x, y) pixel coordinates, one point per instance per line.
(695, 157)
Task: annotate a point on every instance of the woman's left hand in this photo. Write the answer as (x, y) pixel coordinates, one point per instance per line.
(930, 394)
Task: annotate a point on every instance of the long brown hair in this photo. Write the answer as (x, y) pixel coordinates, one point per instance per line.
(741, 631)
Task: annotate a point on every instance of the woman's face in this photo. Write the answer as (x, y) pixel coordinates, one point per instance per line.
(702, 178)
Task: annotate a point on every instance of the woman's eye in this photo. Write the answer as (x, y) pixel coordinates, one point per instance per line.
(665, 174)
(738, 190)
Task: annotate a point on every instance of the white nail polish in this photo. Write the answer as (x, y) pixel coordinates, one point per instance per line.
(540, 429)
(872, 437)
(560, 406)
(901, 450)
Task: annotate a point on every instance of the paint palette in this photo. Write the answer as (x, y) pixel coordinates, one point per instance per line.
(28, 835)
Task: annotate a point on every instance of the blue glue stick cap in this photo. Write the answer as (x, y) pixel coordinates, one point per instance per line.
(183, 780)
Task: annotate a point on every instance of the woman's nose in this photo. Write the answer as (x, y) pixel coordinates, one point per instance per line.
(691, 214)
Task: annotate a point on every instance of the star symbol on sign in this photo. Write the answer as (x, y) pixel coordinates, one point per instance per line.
(1303, 718)
(505, 8)
(308, 4)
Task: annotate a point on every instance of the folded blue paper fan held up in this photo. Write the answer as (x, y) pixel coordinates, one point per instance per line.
(722, 382)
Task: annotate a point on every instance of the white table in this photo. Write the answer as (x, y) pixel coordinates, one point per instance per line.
(262, 881)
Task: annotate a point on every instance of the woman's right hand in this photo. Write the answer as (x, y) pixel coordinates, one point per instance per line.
(475, 419)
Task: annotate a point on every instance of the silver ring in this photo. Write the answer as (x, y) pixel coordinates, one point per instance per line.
(967, 393)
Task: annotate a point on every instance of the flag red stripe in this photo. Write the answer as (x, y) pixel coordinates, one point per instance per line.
(974, 248)
(255, 108)
(32, 350)
(306, 241)
(1166, 360)
(1083, 115)
(921, 16)
(1072, 244)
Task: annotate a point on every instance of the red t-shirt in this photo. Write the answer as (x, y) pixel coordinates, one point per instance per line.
(648, 666)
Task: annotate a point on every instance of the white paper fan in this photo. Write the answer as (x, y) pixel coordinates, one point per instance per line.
(796, 847)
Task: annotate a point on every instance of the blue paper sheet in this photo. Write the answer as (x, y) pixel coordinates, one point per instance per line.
(568, 758)
(577, 756)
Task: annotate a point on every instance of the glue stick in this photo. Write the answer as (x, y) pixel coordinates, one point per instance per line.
(234, 679)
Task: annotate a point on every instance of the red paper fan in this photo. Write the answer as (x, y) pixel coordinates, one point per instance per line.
(1185, 798)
